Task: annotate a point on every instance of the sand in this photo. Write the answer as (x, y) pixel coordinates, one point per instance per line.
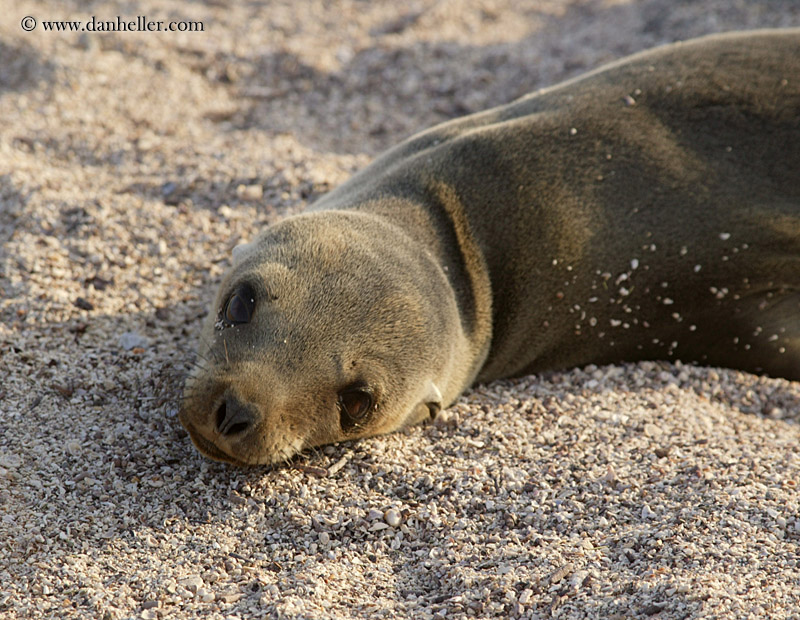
(132, 162)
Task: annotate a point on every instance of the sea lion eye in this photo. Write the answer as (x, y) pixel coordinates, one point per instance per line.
(240, 306)
(354, 404)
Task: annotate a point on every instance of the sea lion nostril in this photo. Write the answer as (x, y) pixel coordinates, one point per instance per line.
(237, 428)
(233, 417)
(221, 415)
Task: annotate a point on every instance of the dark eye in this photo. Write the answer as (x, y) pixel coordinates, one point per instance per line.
(355, 405)
(240, 306)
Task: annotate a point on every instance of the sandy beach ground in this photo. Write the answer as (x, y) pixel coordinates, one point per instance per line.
(132, 162)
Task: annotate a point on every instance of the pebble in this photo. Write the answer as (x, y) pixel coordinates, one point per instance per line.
(229, 597)
(333, 469)
(74, 448)
(250, 192)
(652, 430)
(192, 583)
(205, 595)
(392, 517)
(132, 340)
(647, 513)
(10, 461)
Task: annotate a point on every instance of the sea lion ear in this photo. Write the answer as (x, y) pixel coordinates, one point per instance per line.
(242, 251)
(433, 400)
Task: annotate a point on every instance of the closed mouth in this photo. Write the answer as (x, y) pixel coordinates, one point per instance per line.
(212, 451)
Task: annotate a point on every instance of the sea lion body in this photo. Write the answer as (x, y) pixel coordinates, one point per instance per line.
(647, 210)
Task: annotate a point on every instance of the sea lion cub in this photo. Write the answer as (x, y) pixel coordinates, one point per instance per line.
(647, 210)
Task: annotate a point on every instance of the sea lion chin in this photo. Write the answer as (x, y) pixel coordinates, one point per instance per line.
(647, 210)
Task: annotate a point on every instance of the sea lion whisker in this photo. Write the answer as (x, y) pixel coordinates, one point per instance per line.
(198, 364)
(215, 356)
(203, 358)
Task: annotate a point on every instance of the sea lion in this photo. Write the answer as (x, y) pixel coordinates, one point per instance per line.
(647, 210)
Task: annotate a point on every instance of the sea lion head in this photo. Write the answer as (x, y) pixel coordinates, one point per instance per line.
(328, 327)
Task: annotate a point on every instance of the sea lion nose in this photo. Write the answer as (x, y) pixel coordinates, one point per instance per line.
(233, 416)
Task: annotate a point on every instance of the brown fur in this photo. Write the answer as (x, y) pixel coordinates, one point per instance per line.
(647, 210)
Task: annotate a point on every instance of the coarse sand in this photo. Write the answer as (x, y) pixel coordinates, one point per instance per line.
(132, 162)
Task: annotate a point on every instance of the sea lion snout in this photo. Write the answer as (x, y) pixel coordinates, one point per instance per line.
(220, 421)
(229, 420)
